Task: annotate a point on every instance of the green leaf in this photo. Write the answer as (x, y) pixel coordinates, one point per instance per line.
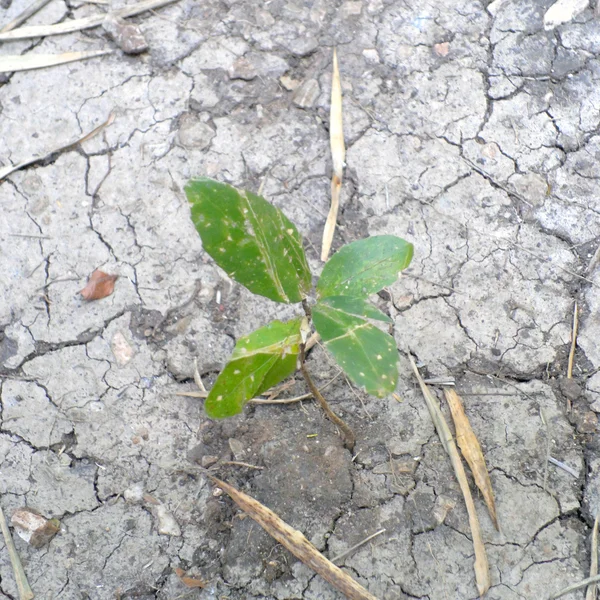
(367, 354)
(250, 239)
(365, 267)
(259, 361)
(356, 306)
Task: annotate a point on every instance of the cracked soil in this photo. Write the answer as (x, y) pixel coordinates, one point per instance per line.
(471, 131)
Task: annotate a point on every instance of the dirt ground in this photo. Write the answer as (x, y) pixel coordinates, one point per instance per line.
(471, 132)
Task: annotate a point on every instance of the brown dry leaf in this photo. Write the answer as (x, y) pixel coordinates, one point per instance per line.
(471, 450)
(481, 567)
(338, 155)
(99, 285)
(296, 543)
(190, 582)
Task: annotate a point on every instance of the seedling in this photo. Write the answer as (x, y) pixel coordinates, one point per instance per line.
(256, 244)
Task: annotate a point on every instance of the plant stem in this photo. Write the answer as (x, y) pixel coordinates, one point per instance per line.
(306, 308)
(349, 439)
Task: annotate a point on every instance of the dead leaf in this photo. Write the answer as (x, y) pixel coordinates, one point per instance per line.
(99, 285)
(296, 543)
(190, 582)
(471, 450)
(338, 155)
(481, 567)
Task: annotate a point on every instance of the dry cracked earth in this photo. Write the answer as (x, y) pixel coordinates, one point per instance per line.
(471, 131)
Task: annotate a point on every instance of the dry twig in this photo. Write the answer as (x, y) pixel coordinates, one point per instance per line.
(296, 543)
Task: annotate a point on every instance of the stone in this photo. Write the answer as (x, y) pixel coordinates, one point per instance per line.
(243, 69)
(371, 56)
(121, 349)
(353, 8)
(128, 36)
(307, 94)
(441, 49)
(166, 523)
(194, 133)
(289, 83)
(588, 422)
(570, 388)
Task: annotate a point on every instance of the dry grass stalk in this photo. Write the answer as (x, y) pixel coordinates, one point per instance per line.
(25, 592)
(270, 400)
(482, 571)
(357, 546)
(28, 12)
(576, 586)
(27, 62)
(573, 341)
(592, 590)
(338, 155)
(296, 543)
(78, 24)
(471, 450)
(11, 169)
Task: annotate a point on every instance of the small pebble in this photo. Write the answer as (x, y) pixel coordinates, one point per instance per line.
(288, 83)
(134, 494)
(127, 36)
(371, 55)
(588, 423)
(121, 349)
(307, 93)
(242, 69)
(237, 448)
(570, 388)
(441, 49)
(167, 525)
(443, 505)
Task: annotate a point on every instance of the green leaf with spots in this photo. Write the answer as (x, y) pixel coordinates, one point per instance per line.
(365, 267)
(250, 239)
(367, 354)
(355, 306)
(259, 361)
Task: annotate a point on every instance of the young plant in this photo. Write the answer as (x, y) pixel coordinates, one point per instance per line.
(255, 244)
